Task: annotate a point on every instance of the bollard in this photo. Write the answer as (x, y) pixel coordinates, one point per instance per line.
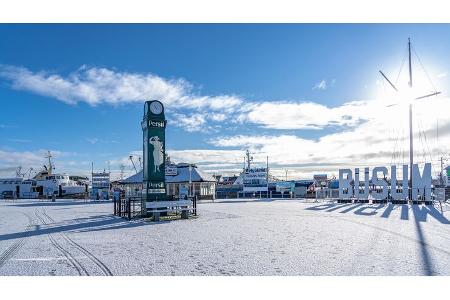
(184, 213)
(155, 216)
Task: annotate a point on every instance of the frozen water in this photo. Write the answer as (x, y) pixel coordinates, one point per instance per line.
(283, 237)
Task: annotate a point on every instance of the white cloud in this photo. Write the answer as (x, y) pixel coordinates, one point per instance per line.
(441, 75)
(10, 160)
(364, 132)
(92, 141)
(322, 85)
(192, 123)
(302, 115)
(102, 85)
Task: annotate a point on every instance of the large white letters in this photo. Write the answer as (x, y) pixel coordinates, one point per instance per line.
(345, 189)
(381, 190)
(365, 194)
(395, 186)
(421, 184)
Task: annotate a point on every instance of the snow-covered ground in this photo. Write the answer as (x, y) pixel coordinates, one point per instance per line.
(283, 237)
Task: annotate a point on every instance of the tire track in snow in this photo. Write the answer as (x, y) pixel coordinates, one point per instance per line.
(69, 257)
(15, 247)
(105, 270)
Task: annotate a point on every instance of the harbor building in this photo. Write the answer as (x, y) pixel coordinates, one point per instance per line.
(182, 179)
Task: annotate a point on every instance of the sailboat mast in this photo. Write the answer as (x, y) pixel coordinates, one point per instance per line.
(411, 137)
(410, 66)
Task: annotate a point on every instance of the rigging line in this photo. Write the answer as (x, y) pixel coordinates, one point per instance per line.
(395, 146)
(401, 66)
(426, 147)
(396, 153)
(391, 133)
(419, 124)
(421, 141)
(426, 73)
(427, 144)
(400, 147)
(403, 147)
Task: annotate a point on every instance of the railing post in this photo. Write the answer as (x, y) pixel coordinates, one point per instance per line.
(195, 206)
(129, 209)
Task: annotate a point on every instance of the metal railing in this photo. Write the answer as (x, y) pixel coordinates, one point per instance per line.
(132, 207)
(135, 207)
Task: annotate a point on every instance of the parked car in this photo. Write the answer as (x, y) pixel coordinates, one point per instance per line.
(7, 195)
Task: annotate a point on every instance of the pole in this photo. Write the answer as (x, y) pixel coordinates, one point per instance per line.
(267, 177)
(410, 67)
(411, 149)
(411, 157)
(92, 179)
(190, 180)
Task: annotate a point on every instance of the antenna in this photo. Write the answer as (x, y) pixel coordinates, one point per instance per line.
(122, 169)
(29, 173)
(249, 158)
(134, 166)
(19, 172)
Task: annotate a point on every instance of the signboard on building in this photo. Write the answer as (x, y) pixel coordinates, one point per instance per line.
(100, 185)
(285, 187)
(255, 180)
(154, 148)
(171, 171)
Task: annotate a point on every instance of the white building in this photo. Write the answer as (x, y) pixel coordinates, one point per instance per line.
(181, 179)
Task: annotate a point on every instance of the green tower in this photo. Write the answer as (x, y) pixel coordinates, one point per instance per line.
(154, 148)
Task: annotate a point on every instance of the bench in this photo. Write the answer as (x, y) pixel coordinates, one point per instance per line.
(157, 207)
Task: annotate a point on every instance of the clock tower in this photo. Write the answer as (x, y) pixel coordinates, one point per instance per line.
(154, 151)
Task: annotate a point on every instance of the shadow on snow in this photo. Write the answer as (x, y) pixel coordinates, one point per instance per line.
(420, 212)
(95, 223)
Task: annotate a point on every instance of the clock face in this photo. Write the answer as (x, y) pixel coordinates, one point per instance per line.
(156, 107)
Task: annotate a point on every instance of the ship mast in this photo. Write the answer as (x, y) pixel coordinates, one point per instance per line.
(411, 144)
(50, 165)
(249, 159)
(411, 136)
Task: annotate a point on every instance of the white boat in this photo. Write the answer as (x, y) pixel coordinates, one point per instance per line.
(44, 184)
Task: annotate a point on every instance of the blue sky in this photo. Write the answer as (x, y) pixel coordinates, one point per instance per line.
(280, 90)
